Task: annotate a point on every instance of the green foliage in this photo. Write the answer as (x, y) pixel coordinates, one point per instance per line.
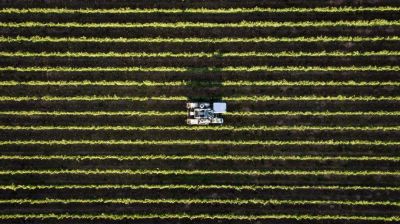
(196, 10)
(200, 187)
(35, 39)
(204, 128)
(204, 157)
(202, 172)
(183, 98)
(183, 113)
(199, 217)
(129, 201)
(186, 25)
(197, 142)
(209, 69)
(200, 54)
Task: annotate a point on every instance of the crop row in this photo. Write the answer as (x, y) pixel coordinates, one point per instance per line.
(183, 98)
(201, 172)
(196, 142)
(94, 113)
(202, 157)
(146, 139)
(197, 40)
(195, 4)
(199, 217)
(209, 45)
(94, 118)
(200, 83)
(370, 28)
(15, 187)
(283, 176)
(197, 10)
(177, 25)
(203, 69)
(183, 113)
(128, 201)
(185, 191)
(201, 54)
(196, 90)
(208, 128)
(197, 65)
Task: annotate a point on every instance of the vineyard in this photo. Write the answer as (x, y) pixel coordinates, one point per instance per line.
(92, 111)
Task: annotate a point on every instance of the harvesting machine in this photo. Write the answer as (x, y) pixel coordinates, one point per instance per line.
(203, 113)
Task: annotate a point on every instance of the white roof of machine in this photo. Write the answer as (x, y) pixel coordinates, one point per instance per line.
(219, 107)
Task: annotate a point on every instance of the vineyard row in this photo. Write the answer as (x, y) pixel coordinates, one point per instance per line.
(202, 69)
(177, 25)
(202, 157)
(197, 10)
(207, 128)
(183, 113)
(197, 40)
(201, 54)
(183, 98)
(198, 187)
(197, 142)
(128, 201)
(199, 217)
(202, 172)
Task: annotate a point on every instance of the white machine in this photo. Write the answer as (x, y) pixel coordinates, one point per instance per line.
(202, 113)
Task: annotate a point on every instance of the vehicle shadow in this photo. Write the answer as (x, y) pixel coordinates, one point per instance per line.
(204, 88)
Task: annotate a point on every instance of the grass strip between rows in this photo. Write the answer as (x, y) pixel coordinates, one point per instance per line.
(196, 142)
(183, 98)
(200, 54)
(129, 201)
(184, 113)
(202, 157)
(201, 128)
(202, 172)
(269, 39)
(201, 83)
(168, 216)
(15, 187)
(344, 9)
(183, 25)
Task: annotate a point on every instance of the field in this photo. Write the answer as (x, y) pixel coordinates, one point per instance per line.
(92, 111)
